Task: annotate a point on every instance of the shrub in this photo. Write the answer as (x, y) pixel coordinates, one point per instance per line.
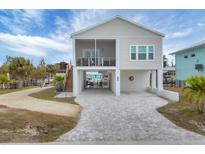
(196, 91)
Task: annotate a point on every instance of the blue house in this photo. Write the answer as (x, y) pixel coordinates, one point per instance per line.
(190, 61)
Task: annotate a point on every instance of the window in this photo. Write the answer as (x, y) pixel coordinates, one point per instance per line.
(186, 56)
(150, 52)
(133, 52)
(193, 55)
(142, 52)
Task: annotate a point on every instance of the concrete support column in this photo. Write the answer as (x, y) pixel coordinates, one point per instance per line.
(74, 56)
(117, 53)
(117, 82)
(75, 81)
(153, 79)
(159, 79)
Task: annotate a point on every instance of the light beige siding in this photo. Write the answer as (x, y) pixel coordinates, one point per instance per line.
(114, 29)
(126, 63)
(128, 34)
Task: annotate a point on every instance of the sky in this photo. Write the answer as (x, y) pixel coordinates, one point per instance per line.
(36, 34)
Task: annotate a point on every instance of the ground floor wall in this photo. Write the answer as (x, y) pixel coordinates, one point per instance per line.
(122, 80)
(134, 80)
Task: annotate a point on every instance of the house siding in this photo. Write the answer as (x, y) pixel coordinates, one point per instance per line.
(124, 48)
(114, 29)
(185, 67)
(127, 34)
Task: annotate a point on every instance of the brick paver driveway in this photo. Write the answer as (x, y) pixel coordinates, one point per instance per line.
(128, 118)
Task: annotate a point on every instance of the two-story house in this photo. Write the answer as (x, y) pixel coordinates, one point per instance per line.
(127, 53)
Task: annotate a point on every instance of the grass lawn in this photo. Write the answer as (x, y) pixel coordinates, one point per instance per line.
(184, 114)
(23, 126)
(49, 94)
(5, 91)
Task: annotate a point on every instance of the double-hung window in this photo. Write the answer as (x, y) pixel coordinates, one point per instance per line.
(133, 52)
(150, 52)
(142, 52)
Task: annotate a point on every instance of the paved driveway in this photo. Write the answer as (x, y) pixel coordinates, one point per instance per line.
(129, 118)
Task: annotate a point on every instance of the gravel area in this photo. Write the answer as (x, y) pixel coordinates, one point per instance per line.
(131, 117)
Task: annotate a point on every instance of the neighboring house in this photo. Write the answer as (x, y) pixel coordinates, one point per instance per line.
(61, 68)
(130, 53)
(190, 61)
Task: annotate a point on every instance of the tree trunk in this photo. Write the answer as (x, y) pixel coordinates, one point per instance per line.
(202, 107)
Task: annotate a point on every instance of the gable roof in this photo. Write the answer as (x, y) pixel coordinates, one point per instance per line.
(195, 45)
(117, 17)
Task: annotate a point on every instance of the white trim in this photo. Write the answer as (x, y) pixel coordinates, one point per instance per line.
(112, 38)
(117, 53)
(96, 68)
(147, 52)
(195, 45)
(117, 17)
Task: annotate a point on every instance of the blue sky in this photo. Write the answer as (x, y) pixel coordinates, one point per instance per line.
(46, 33)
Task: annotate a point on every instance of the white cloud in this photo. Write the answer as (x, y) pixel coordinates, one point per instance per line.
(20, 21)
(85, 18)
(180, 34)
(139, 18)
(200, 24)
(32, 45)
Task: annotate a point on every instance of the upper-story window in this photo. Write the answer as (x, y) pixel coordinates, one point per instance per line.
(193, 55)
(133, 52)
(186, 56)
(142, 52)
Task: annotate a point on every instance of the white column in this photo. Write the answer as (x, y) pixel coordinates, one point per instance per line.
(75, 81)
(74, 54)
(153, 79)
(117, 82)
(95, 52)
(117, 54)
(159, 79)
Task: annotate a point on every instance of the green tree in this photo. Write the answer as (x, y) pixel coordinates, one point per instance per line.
(19, 67)
(41, 69)
(196, 91)
(4, 79)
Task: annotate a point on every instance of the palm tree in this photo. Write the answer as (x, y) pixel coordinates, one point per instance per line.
(196, 91)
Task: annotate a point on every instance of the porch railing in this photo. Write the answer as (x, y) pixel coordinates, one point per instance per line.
(102, 61)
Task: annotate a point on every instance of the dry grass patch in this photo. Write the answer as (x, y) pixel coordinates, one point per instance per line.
(49, 94)
(184, 114)
(23, 126)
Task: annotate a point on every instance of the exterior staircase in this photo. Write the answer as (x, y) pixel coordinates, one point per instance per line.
(68, 80)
